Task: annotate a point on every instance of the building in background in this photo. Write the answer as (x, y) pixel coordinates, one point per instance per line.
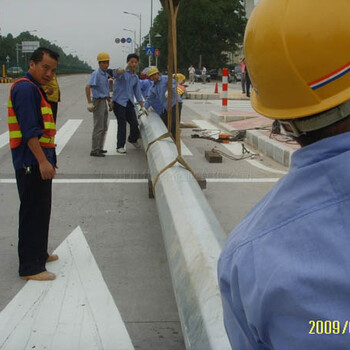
(249, 6)
(235, 58)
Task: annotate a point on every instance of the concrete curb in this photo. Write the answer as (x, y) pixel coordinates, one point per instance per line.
(193, 240)
(269, 147)
(213, 96)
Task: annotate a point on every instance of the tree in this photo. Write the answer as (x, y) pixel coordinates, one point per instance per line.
(67, 63)
(206, 29)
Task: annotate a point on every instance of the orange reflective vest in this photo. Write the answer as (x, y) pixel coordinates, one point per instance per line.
(181, 89)
(47, 140)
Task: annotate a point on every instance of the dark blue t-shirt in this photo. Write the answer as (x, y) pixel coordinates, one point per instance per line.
(26, 103)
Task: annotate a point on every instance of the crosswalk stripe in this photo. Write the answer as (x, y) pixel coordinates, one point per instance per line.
(4, 139)
(111, 139)
(185, 150)
(76, 311)
(62, 137)
(65, 133)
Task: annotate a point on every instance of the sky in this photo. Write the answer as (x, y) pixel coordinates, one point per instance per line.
(81, 27)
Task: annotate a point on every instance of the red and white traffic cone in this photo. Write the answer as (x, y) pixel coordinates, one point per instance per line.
(216, 91)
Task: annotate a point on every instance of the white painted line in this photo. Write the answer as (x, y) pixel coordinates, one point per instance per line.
(235, 180)
(111, 138)
(76, 311)
(100, 181)
(140, 181)
(87, 181)
(65, 133)
(185, 150)
(203, 124)
(236, 148)
(4, 139)
(263, 167)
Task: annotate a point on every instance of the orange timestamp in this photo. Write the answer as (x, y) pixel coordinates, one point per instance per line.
(329, 327)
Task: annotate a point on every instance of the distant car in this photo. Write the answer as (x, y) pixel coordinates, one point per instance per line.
(198, 76)
(237, 73)
(15, 71)
(213, 74)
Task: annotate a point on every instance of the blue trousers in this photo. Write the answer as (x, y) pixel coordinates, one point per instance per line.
(123, 115)
(35, 196)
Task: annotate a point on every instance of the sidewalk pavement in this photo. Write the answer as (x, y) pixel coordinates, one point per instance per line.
(241, 116)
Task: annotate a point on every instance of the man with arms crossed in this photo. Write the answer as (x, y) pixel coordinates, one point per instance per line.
(32, 140)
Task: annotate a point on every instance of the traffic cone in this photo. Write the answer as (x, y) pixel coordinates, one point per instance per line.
(216, 91)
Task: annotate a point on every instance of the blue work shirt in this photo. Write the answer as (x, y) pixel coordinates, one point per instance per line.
(99, 84)
(287, 264)
(126, 87)
(145, 86)
(158, 91)
(26, 103)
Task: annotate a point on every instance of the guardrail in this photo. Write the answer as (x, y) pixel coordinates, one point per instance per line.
(6, 80)
(193, 239)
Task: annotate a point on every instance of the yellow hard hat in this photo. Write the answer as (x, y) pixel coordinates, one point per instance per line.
(297, 56)
(103, 56)
(152, 71)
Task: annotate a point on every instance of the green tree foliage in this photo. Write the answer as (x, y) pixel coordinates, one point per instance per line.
(205, 28)
(67, 63)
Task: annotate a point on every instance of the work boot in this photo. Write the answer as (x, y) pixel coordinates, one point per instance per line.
(96, 154)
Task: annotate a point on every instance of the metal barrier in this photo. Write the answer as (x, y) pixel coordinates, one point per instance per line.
(193, 239)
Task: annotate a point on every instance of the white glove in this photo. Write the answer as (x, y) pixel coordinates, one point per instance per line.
(90, 107)
(143, 111)
(166, 94)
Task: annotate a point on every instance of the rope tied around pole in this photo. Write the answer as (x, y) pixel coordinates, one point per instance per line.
(172, 8)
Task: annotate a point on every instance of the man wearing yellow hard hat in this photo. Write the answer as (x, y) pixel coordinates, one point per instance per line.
(159, 93)
(284, 271)
(97, 95)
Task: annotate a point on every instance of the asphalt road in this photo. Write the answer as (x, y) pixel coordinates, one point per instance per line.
(118, 219)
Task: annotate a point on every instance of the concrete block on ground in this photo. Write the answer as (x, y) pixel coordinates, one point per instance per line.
(213, 157)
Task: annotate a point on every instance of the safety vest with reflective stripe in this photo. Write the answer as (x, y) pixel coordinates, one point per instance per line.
(181, 89)
(47, 140)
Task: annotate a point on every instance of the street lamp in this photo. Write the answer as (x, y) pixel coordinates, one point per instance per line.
(150, 30)
(157, 36)
(139, 17)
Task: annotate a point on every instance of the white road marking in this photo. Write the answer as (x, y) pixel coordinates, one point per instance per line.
(4, 139)
(235, 180)
(76, 311)
(263, 167)
(86, 181)
(236, 148)
(143, 181)
(204, 124)
(111, 139)
(185, 150)
(65, 133)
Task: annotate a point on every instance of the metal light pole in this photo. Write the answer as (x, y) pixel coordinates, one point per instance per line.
(150, 30)
(139, 17)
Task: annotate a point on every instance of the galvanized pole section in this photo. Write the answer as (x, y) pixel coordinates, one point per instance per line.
(193, 240)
